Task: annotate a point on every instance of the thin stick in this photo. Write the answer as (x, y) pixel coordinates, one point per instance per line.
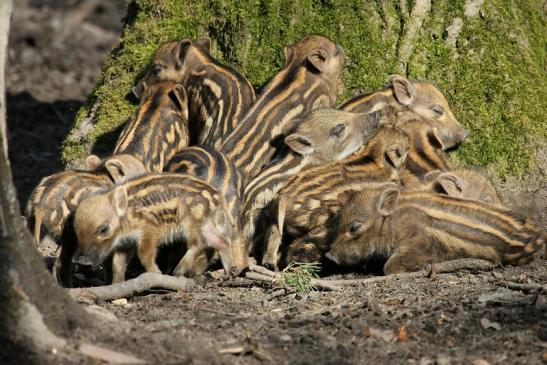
(273, 277)
(262, 270)
(439, 268)
(128, 288)
(525, 287)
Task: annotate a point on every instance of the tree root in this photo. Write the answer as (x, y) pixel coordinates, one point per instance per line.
(128, 288)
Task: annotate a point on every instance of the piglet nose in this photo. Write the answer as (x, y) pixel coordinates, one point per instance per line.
(463, 134)
(331, 257)
(340, 50)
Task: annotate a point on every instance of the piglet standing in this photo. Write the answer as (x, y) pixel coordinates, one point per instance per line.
(151, 211)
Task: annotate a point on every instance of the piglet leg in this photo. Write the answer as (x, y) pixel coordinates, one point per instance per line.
(184, 268)
(147, 251)
(120, 260)
(214, 239)
(273, 241)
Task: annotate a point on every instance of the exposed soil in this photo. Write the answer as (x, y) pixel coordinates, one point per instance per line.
(56, 50)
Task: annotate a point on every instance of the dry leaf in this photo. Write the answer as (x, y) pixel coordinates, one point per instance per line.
(544, 356)
(402, 336)
(486, 324)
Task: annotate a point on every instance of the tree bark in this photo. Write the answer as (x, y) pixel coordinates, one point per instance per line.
(34, 312)
(467, 47)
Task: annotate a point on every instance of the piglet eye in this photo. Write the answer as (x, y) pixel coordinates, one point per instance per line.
(438, 110)
(338, 130)
(103, 229)
(157, 69)
(354, 227)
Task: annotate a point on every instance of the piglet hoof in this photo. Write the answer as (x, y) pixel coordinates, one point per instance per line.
(270, 266)
(182, 273)
(236, 271)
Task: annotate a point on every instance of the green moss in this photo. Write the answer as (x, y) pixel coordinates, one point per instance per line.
(494, 76)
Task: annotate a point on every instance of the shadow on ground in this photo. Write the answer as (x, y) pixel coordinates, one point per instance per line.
(36, 131)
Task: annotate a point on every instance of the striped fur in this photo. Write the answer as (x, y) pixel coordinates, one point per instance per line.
(404, 100)
(309, 80)
(215, 169)
(411, 229)
(154, 210)
(426, 154)
(219, 95)
(56, 197)
(159, 128)
(305, 200)
(464, 183)
(325, 135)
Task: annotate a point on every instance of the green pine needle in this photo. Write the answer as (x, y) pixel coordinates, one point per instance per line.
(299, 275)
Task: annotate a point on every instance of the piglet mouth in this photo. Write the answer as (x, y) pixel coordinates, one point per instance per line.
(331, 257)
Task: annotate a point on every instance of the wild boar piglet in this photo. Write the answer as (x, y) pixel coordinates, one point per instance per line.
(410, 229)
(151, 211)
(220, 95)
(404, 100)
(159, 128)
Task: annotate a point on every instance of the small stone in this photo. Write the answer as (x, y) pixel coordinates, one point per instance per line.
(121, 301)
(497, 275)
(486, 324)
(285, 338)
(443, 359)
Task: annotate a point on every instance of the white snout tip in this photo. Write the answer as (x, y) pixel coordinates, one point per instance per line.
(331, 257)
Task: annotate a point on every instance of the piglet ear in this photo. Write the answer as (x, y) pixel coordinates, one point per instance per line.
(396, 155)
(346, 197)
(404, 90)
(388, 201)
(299, 143)
(181, 99)
(116, 170)
(204, 43)
(93, 162)
(318, 59)
(181, 49)
(432, 176)
(288, 52)
(452, 184)
(434, 138)
(120, 200)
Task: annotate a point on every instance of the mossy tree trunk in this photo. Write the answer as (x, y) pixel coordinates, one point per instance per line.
(33, 309)
(487, 56)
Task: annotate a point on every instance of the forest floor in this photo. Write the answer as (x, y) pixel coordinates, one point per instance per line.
(56, 51)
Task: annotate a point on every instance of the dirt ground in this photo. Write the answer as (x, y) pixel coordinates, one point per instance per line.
(56, 51)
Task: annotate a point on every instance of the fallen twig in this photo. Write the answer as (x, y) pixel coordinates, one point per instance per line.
(262, 274)
(262, 270)
(527, 288)
(128, 288)
(275, 294)
(438, 268)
